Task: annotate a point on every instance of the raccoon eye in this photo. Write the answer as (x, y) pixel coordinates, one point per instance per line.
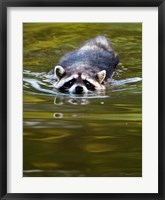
(89, 85)
(69, 83)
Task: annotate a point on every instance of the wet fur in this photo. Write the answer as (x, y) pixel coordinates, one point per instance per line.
(91, 58)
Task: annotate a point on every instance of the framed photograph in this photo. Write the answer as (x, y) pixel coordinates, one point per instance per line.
(82, 99)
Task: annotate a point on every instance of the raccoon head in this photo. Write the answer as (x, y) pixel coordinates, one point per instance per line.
(78, 82)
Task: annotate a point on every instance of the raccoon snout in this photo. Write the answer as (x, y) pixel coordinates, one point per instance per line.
(78, 89)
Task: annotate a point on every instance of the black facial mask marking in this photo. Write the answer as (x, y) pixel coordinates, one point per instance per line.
(89, 85)
(67, 85)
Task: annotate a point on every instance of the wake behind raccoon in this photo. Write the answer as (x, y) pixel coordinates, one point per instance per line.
(86, 69)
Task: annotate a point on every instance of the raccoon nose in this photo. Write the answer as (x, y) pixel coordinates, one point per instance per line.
(79, 89)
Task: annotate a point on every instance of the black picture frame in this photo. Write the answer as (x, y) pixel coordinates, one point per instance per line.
(4, 4)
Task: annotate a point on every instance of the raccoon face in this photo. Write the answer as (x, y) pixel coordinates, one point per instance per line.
(78, 83)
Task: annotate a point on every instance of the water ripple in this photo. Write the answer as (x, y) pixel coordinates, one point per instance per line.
(41, 83)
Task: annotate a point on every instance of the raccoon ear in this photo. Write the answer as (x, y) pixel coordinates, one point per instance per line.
(101, 76)
(59, 72)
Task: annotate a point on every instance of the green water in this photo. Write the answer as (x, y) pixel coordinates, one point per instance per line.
(65, 136)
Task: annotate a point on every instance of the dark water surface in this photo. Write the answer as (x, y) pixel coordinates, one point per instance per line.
(91, 136)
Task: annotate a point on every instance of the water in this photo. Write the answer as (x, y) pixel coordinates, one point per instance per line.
(81, 136)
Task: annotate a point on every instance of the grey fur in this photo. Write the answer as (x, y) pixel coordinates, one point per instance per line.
(91, 58)
(94, 56)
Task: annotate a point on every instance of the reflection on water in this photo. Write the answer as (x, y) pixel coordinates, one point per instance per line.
(82, 136)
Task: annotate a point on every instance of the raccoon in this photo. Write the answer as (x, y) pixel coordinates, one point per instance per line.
(86, 69)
